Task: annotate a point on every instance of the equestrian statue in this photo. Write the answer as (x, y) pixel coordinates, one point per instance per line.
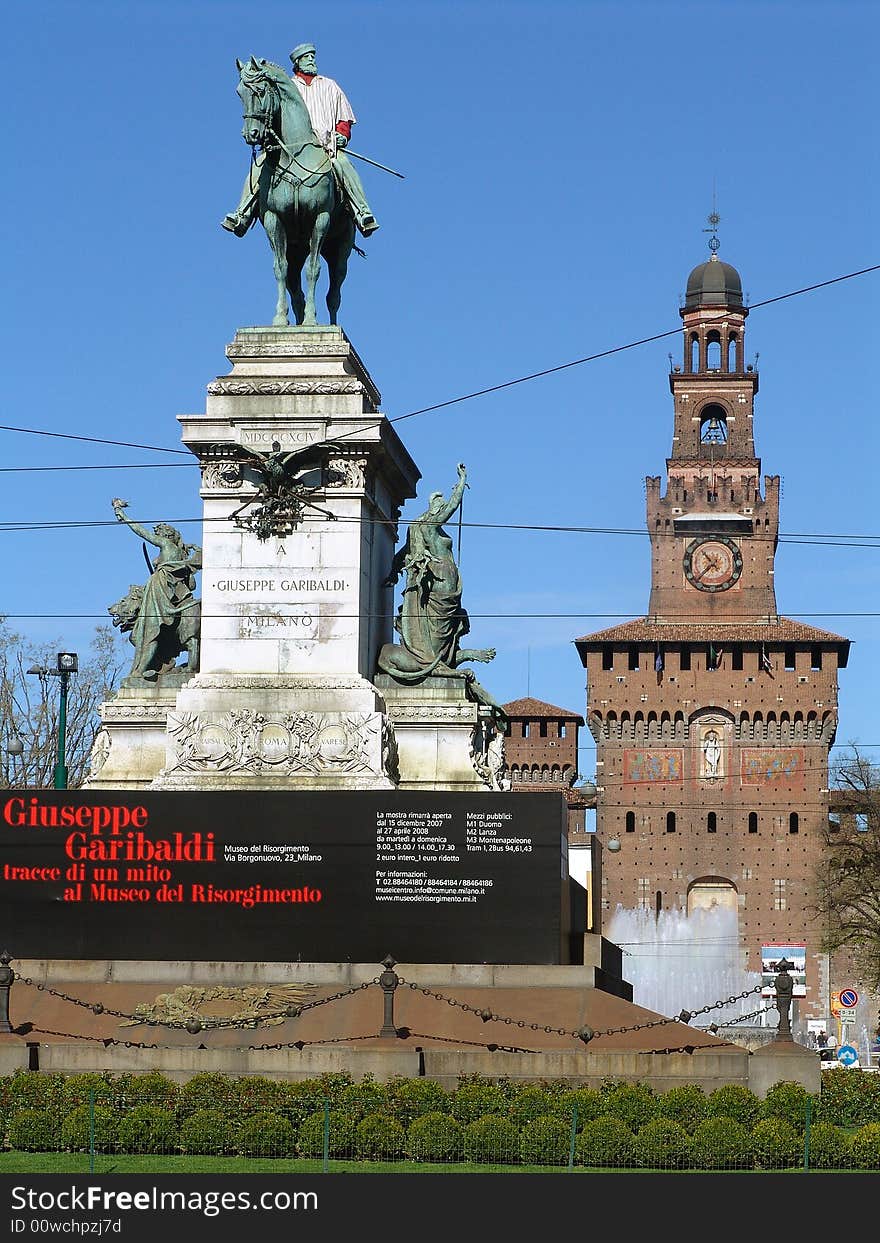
(301, 185)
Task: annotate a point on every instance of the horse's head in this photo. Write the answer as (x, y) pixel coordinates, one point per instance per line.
(258, 91)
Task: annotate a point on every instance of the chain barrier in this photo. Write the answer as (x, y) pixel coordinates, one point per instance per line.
(405, 1034)
(742, 1018)
(585, 1034)
(107, 1041)
(195, 1024)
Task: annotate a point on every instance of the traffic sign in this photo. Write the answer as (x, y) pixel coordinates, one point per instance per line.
(849, 998)
(847, 1055)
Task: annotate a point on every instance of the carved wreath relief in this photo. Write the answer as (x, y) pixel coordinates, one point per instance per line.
(302, 743)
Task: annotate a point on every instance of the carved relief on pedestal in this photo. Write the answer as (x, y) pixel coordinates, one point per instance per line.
(100, 752)
(436, 713)
(295, 744)
(221, 476)
(283, 388)
(224, 1005)
(347, 472)
(390, 755)
(488, 757)
(122, 711)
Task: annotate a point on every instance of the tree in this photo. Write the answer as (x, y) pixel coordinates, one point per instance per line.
(29, 706)
(847, 891)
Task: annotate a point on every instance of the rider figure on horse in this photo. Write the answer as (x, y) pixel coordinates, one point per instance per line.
(332, 118)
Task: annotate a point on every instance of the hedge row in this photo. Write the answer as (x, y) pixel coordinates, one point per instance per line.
(151, 1102)
(715, 1143)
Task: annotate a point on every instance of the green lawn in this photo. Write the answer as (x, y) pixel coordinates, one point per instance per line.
(109, 1163)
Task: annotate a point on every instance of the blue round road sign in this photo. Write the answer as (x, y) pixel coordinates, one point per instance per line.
(849, 998)
(847, 1055)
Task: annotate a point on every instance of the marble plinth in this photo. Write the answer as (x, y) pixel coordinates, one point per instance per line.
(440, 732)
(130, 747)
(281, 731)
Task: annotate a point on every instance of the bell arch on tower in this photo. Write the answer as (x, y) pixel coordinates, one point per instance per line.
(713, 424)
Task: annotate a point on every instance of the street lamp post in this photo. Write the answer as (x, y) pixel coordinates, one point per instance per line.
(67, 663)
(15, 751)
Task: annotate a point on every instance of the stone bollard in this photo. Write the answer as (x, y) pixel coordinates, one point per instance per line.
(389, 981)
(7, 975)
(784, 986)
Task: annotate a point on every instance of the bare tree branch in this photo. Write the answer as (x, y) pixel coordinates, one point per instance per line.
(29, 705)
(846, 894)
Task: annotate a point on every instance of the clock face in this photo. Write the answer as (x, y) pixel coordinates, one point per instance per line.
(712, 564)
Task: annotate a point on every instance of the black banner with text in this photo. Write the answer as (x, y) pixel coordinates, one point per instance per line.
(284, 876)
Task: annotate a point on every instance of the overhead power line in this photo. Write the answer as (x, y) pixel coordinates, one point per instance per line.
(819, 540)
(482, 392)
(669, 618)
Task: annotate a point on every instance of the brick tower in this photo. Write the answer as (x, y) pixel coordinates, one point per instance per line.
(713, 715)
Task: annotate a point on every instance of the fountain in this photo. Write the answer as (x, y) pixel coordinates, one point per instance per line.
(676, 961)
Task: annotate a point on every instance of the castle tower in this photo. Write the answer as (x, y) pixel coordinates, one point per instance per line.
(713, 715)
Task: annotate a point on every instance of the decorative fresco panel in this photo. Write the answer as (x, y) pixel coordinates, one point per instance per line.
(767, 765)
(647, 766)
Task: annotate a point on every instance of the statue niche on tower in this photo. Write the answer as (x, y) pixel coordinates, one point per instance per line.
(430, 620)
(162, 618)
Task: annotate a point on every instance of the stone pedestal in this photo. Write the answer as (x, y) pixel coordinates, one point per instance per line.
(440, 732)
(290, 625)
(784, 1061)
(130, 746)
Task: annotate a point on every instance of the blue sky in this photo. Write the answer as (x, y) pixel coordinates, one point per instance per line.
(560, 162)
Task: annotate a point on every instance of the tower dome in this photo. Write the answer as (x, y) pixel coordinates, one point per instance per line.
(714, 283)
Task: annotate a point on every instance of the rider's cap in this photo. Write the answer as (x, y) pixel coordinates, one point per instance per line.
(300, 50)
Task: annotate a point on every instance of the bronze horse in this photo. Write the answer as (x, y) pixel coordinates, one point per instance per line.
(300, 205)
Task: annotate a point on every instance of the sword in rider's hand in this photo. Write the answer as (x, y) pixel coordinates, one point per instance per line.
(366, 159)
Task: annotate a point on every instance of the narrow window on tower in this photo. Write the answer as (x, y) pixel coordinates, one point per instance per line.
(685, 659)
(790, 662)
(607, 657)
(815, 658)
(670, 822)
(711, 822)
(793, 822)
(562, 729)
(736, 657)
(658, 902)
(633, 657)
(753, 822)
(731, 353)
(713, 352)
(542, 729)
(630, 822)
(695, 352)
(525, 729)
